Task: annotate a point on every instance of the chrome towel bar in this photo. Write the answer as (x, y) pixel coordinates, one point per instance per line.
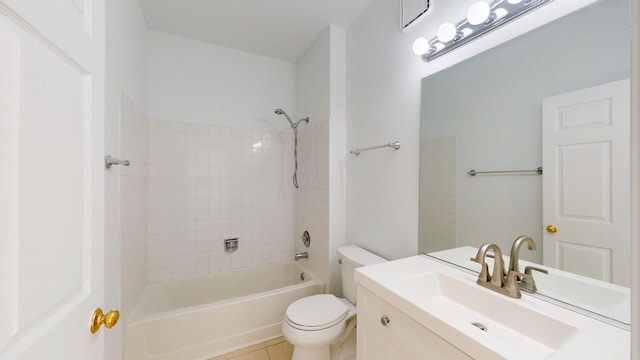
(537, 170)
(393, 144)
(109, 161)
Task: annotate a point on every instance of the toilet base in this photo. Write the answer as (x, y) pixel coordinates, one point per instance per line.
(340, 346)
(317, 353)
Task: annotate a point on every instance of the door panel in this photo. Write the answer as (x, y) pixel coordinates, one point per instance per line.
(53, 152)
(578, 165)
(572, 257)
(72, 25)
(51, 186)
(586, 187)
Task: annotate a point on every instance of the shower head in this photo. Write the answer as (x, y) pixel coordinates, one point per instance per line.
(281, 112)
(294, 125)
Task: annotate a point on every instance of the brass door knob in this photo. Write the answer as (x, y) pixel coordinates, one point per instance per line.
(109, 319)
(384, 320)
(552, 229)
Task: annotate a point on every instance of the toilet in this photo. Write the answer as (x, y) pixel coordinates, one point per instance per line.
(317, 325)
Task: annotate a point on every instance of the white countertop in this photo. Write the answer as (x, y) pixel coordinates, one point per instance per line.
(587, 339)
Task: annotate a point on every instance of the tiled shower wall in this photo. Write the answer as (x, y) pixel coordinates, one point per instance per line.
(208, 183)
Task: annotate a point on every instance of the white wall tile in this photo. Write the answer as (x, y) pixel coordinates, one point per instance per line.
(212, 185)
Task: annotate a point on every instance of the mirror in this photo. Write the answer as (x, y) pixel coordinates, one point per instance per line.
(486, 113)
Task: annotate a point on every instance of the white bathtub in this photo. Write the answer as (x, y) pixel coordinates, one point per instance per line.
(202, 317)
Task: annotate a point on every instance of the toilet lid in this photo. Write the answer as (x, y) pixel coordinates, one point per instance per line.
(317, 311)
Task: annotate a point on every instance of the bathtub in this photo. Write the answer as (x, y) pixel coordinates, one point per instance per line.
(198, 318)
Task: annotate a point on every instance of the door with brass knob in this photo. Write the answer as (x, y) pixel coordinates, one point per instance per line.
(585, 142)
(109, 319)
(52, 213)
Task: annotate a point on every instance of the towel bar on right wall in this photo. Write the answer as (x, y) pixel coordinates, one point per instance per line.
(393, 144)
(537, 170)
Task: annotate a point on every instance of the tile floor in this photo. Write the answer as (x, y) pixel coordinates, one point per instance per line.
(276, 349)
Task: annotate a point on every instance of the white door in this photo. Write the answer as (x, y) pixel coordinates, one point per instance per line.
(51, 178)
(586, 189)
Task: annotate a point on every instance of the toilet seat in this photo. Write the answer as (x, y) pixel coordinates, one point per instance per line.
(316, 312)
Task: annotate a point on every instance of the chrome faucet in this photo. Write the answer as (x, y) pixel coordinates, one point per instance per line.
(499, 281)
(302, 255)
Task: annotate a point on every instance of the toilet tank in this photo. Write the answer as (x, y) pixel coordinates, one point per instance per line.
(352, 257)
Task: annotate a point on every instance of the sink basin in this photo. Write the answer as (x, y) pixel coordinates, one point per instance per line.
(596, 296)
(510, 329)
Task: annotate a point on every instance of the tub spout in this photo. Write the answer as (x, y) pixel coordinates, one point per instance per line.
(302, 255)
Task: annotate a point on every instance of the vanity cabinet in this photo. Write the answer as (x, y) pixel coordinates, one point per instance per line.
(384, 332)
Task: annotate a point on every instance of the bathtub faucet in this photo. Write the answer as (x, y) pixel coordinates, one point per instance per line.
(302, 255)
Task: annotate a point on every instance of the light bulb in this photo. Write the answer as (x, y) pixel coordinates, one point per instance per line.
(478, 13)
(447, 32)
(500, 13)
(421, 46)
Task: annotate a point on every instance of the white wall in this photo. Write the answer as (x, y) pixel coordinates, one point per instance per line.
(133, 203)
(194, 81)
(383, 93)
(635, 179)
(126, 44)
(383, 89)
(312, 196)
(337, 154)
(320, 201)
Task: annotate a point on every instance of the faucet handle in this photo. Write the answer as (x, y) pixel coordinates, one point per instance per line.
(528, 284)
(528, 269)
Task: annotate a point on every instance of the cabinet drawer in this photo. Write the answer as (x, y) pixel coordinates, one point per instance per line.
(406, 335)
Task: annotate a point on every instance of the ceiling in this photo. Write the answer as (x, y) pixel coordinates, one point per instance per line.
(281, 29)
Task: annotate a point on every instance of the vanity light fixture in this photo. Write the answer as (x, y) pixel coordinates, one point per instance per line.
(482, 17)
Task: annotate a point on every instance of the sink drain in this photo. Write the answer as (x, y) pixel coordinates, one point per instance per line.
(479, 326)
